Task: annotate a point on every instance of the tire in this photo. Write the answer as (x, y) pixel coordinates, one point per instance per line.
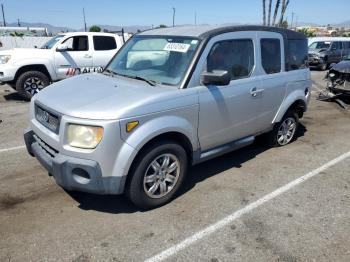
(144, 176)
(274, 139)
(31, 82)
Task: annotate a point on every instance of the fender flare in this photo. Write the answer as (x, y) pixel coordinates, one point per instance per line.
(297, 95)
(158, 126)
(43, 62)
(152, 129)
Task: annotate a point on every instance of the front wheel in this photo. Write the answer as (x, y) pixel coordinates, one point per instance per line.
(30, 83)
(157, 175)
(284, 131)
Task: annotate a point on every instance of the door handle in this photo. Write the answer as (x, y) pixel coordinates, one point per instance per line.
(255, 91)
(87, 56)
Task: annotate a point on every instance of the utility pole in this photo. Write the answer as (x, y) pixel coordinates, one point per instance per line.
(84, 19)
(3, 14)
(291, 24)
(174, 12)
(195, 18)
(18, 23)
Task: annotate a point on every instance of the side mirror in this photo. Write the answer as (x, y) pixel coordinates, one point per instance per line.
(62, 48)
(216, 77)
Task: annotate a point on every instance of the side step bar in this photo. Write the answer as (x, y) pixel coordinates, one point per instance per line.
(217, 151)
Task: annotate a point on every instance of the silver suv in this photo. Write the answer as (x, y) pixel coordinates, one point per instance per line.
(170, 98)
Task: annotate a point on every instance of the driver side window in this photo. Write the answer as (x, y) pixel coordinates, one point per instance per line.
(77, 43)
(234, 56)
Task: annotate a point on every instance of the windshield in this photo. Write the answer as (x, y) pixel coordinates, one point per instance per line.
(49, 44)
(320, 45)
(162, 60)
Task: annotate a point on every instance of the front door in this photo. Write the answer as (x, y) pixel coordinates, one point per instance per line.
(335, 53)
(228, 113)
(76, 59)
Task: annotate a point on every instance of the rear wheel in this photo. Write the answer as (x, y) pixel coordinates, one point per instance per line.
(284, 131)
(30, 83)
(157, 175)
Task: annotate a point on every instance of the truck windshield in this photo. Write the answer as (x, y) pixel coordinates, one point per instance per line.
(320, 45)
(49, 44)
(162, 60)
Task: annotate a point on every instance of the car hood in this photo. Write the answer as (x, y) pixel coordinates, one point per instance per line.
(98, 96)
(26, 53)
(342, 67)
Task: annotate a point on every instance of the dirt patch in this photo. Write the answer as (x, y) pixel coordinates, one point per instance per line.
(8, 201)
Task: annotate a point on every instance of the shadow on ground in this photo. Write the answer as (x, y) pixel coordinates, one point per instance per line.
(14, 96)
(196, 174)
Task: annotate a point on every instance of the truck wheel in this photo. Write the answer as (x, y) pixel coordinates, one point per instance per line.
(284, 132)
(157, 175)
(30, 83)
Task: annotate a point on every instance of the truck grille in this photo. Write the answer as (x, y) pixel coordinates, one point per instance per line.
(47, 118)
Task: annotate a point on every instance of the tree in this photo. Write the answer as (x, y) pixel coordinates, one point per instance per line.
(306, 32)
(269, 15)
(162, 26)
(264, 12)
(285, 4)
(278, 2)
(285, 24)
(95, 28)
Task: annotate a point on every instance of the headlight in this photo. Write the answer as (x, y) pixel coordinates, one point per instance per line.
(84, 136)
(4, 59)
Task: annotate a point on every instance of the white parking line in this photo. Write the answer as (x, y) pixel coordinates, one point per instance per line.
(235, 215)
(11, 149)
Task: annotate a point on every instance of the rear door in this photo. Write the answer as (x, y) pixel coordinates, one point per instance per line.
(76, 59)
(105, 47)
(273, 76)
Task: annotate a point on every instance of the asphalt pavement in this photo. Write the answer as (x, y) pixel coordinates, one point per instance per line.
(227, 210)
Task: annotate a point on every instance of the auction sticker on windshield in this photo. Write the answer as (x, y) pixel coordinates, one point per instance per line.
(177, 47)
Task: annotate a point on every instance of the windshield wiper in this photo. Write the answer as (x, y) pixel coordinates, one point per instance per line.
(110, 72)
(148, 81)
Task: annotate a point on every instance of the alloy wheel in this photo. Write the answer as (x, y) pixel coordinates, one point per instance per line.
(286, 131)
(161, 175)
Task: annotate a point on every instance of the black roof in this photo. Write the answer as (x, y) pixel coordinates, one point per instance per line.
(286, 33)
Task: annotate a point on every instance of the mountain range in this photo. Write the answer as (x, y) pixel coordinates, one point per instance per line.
(132, 29)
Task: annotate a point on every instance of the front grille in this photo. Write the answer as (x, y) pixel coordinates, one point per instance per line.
(45, 147)
(47, 118)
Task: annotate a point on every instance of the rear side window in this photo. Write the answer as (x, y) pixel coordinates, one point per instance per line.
(103, 43)
(234, 56)
(297, 54)
(77, 43)
(336, 45)
(271, 55)
(346, 45)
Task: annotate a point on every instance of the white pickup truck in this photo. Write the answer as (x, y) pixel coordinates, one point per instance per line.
(68, 54)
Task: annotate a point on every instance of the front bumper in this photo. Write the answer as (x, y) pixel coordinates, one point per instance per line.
(315, 62)
(72, 173)
(7, 73)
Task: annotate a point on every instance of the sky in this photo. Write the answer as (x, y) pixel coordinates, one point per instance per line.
(155, 12)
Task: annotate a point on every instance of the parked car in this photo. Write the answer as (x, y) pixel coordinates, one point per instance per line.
(324, 52)
(170, 98)
(30, 70)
